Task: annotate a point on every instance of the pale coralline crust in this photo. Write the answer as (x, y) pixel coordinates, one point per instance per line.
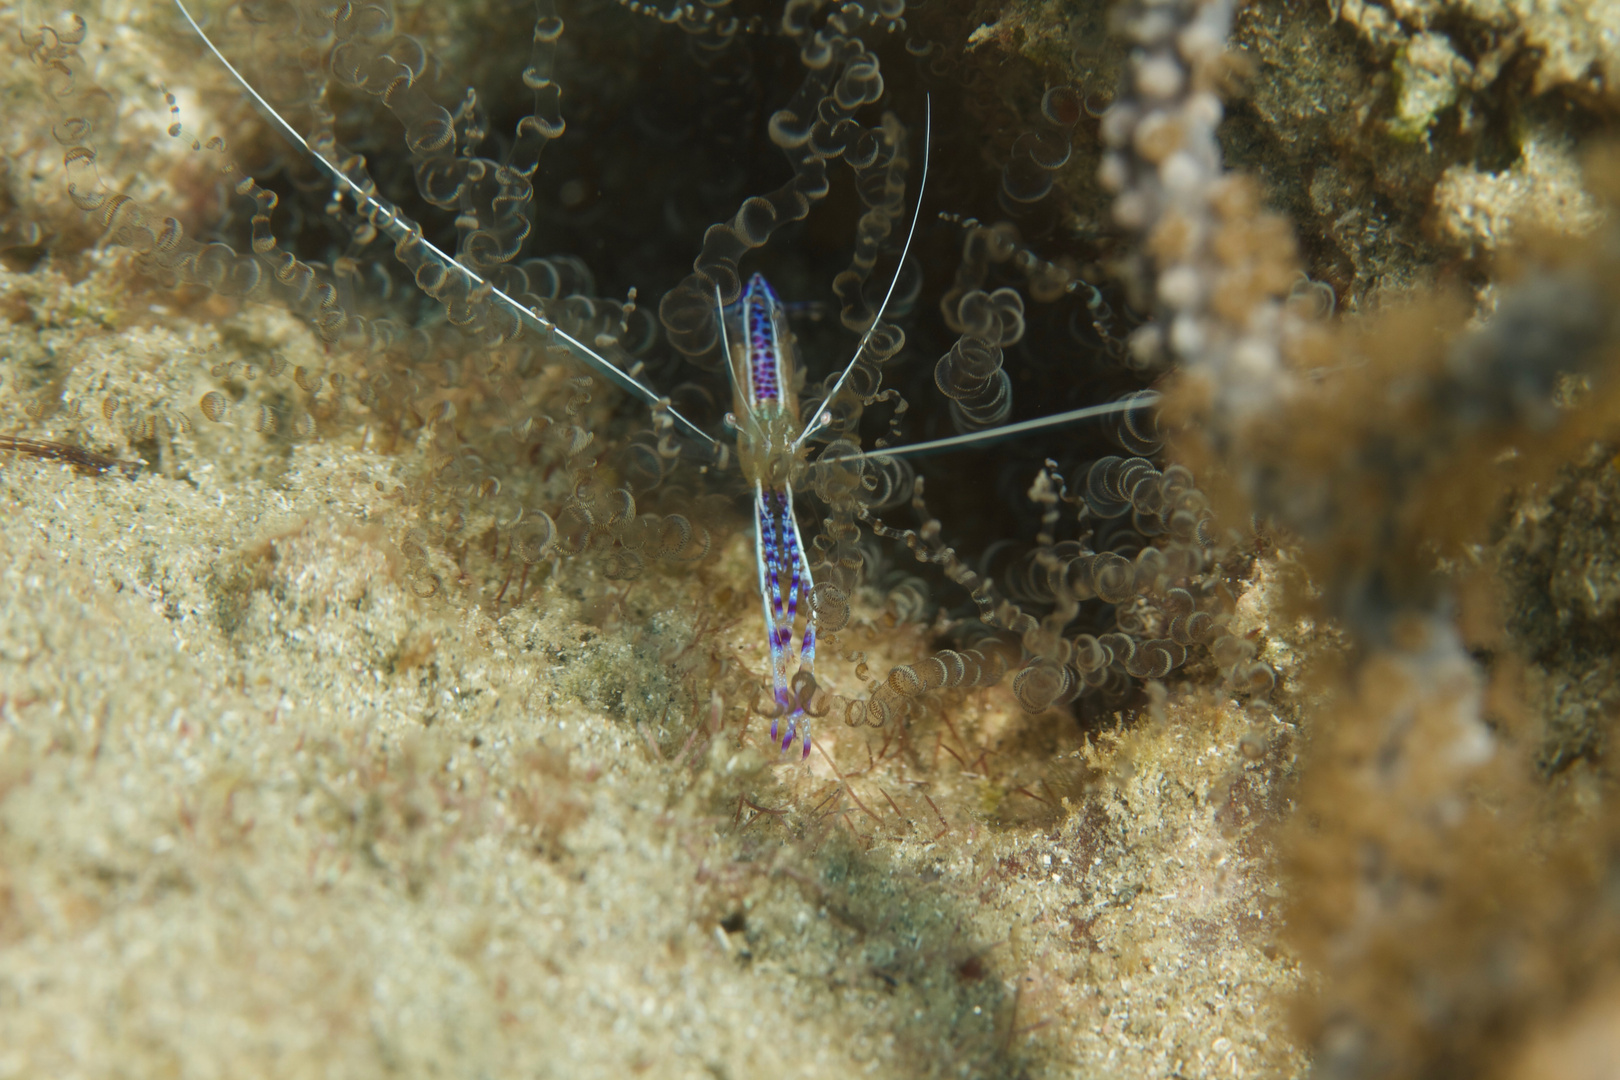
(1573, 43)
(1542, 191)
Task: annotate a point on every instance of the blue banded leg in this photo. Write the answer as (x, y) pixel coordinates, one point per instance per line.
(807, 650)
(801, 582)
(779, 550)
(788, 557)
(768, 556)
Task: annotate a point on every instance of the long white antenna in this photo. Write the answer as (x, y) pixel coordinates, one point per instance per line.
(825, 416)
(395, 221)
(1137, 401)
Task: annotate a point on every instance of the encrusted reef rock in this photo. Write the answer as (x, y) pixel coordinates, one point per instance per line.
(1404, 140)
(1561, 564)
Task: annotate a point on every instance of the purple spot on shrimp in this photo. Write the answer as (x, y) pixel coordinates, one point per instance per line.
(764, 355)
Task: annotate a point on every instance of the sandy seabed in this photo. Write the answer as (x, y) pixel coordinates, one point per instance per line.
(266, 811)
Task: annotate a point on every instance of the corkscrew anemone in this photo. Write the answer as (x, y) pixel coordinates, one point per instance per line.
(1114, 585)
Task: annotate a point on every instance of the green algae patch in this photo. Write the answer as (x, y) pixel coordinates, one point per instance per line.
(1428, 79)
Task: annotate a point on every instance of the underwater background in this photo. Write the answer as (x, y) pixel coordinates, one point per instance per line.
(378, 693)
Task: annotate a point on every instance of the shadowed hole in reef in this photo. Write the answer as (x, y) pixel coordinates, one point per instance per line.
(701, 144)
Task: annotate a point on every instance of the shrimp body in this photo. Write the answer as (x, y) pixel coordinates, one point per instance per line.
(764, 386)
